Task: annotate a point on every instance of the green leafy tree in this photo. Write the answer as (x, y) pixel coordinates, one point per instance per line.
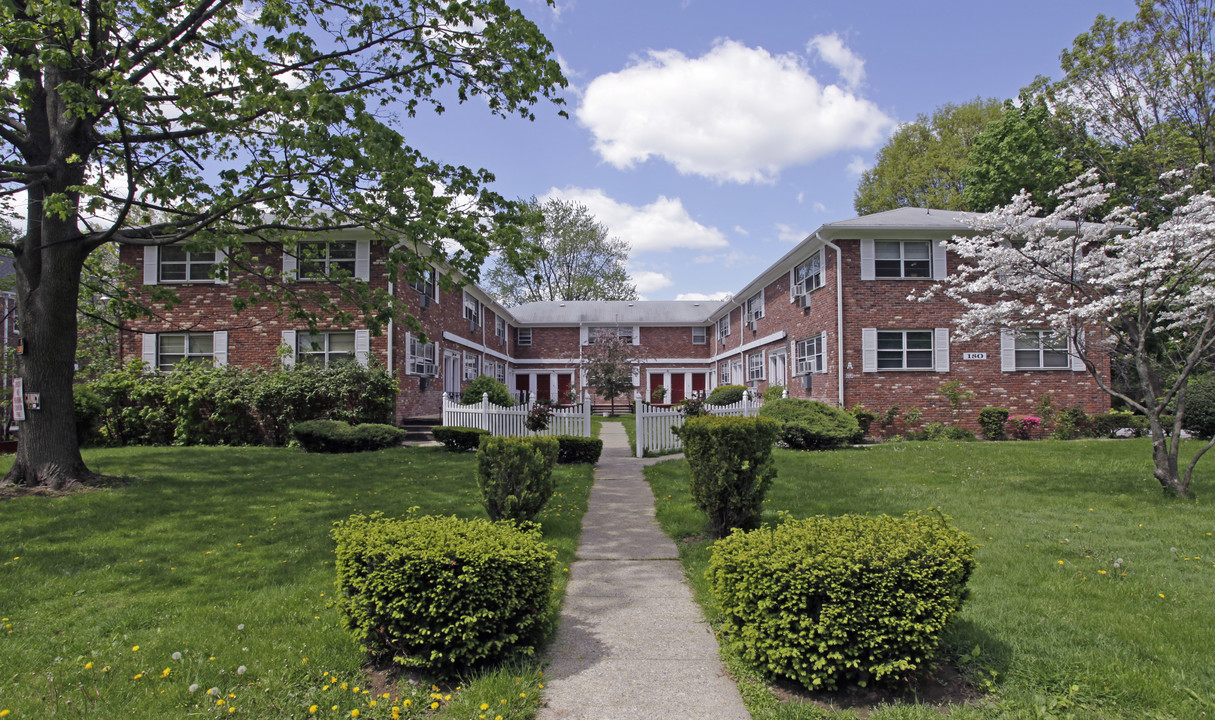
(608, 362)
(216, 124)
(577, 259)
(922, 164)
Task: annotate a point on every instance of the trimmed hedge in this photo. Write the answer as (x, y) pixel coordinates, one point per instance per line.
(443, 595)
(578, 450)
(459, 439)
(852, 599)
(726, 394)
(992, 421)
(812, 425)
(515, 475)
(334, 436)
(730, 459)
(498, 393)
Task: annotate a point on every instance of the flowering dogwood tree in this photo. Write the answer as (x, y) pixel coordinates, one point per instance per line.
(1116, 286)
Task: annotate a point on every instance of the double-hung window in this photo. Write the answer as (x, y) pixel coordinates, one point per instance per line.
(425, 283)
(175, 348)
(179, 265)
(1041, 350)
(421, 358)
(472, 366)
(902, 259)
(723, 327)
(810, 356)
(755, 306)
(499, 327)
(755, 366)
(523, 337)
(321, 259)
(809, 275)
(596, 335)
(904, 350)
(500, 372)
(472, 309)
(324, 348)
(724, 378)
(700, 336)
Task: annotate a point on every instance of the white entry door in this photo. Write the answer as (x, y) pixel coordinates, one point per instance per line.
(778, 368)
(451, 372)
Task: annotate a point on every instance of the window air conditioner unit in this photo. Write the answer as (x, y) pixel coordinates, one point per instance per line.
(803, 301)
(807, 382)
(425, 301)
(472, 325)
(799, 288)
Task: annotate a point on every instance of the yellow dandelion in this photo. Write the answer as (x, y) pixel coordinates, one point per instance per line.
(141, 675)
(356, 688)
(371, 704)
(407, 702)
(220, 701)
(5, 712)
(88, 666)
(165, 673)
(522, 695)
(135, 649)
(312, 710)
(1060, 562)
(1161, 596)
(354, 712)
(396, 713)
(484, 706)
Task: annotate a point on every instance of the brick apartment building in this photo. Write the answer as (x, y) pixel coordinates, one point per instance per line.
(829, 321)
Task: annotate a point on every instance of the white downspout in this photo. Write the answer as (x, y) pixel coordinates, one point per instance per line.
(839, 313)
(392, 294)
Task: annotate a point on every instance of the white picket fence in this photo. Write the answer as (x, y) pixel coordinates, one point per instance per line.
(512, 421)
(655, 426)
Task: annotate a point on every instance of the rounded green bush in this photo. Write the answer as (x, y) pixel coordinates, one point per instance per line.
(726, 394)
(515, 475)
(731, 468)
(335, 436)
(498, 393)
(458, 439)
(575, 449)
(1200, 406)
(812, 425)
(831, 601)
(443, 595)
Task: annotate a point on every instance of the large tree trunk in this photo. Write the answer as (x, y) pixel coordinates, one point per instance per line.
(1164, 455)
(48, 285)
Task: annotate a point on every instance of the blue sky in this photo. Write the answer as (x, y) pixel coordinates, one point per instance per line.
(711, 135)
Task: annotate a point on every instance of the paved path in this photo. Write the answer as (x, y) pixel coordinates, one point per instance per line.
(631, 643)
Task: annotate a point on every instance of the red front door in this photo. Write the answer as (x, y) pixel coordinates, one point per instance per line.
(677, 388)
(564, 382)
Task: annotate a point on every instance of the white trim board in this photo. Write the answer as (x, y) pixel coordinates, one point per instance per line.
(774, 337)
(451, 337)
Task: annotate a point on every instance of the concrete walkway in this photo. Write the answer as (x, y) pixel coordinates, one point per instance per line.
(631, 643)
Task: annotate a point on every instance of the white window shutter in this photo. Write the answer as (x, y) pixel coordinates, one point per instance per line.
(289, 344)
(763, 364)
(151, 261)
(940, 346)
(149, 350)
(362, 346)
(362, 259)
(939, 269)
(868, 350)
(867, 260)
(1077, 363)
(225, 259)
(636, 336)
(584, 334)
(1008, 350)
(792, 298)
(219, 348)
(290, 271)
(826, 354)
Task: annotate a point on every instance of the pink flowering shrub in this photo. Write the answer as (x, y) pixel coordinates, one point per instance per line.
(1023, 428)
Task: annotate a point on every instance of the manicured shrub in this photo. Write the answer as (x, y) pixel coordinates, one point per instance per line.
(574, 449)
(498, 393)
(335, 436)
(515, 475)
(852, 599)
(957, 433)
(459, 439)
(812, 425)
(1071, 423)
(440, 594)
(776, 392)
(88, 408)
(992, 421)
(864, 418)
(1200, 406)
(730, 459)
(726, 394)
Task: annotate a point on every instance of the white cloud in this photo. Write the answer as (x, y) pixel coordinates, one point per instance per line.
(715, 297)
(726, 259)
(741, 230)
(648, 281)
(662, 225)
(857, 165)
(737, 114)
(831, 50)
(819, 207)
(790, 234)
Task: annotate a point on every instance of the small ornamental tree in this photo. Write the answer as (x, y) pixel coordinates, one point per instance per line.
(608, 361)
(1118, 287)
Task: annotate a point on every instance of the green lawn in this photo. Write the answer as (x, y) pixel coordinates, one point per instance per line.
(1093, 594)
(215, 569)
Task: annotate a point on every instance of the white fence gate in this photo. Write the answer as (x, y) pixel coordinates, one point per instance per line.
(512, 421)
(655, 426)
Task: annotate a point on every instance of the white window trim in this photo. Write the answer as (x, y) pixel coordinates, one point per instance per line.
(749, 311)
(723, 327)
(360, 354)
(326, 261)
(429, 283)
(809, 363)
(520, 333)
(476, 364)
(937, 260)
(704, 336)
(418, 363)
(1008, 353)
(472, 308)
(154, 258)
(152, 349)
(807, 286)
(761, 366)
(939, 350)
